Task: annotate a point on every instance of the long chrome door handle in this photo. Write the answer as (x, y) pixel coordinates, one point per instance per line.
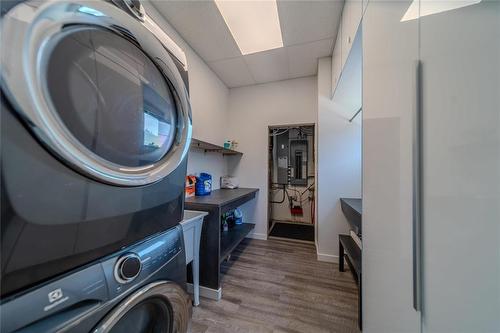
(417, 192)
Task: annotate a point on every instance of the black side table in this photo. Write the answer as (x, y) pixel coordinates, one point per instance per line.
(349, 250)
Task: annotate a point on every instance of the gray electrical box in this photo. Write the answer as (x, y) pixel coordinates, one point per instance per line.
(282, 151)
(298, 162)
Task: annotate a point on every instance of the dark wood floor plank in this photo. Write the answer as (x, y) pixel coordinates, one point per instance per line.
(277, 286)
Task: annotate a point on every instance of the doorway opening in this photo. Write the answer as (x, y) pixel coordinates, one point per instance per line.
(291, 183)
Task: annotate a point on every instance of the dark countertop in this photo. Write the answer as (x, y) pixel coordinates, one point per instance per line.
(354, 203)
(352, 209)
(221, 197)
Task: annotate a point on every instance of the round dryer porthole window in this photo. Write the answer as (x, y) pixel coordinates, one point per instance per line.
(101, 89)
(111, 97)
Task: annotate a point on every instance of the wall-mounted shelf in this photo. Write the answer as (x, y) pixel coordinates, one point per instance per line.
(210, 147)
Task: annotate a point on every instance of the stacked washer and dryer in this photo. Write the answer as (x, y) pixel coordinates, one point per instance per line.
(95, 130)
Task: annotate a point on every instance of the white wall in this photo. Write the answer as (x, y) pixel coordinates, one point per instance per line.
(251, 110)
(339, 166)
(209, 98)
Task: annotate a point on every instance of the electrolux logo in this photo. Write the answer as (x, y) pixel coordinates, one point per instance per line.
(56, 297)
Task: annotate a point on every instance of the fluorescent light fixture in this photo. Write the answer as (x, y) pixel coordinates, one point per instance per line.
(255, 25)
(429, 7)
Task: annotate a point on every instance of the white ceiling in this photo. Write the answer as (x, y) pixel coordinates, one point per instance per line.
(308, 29)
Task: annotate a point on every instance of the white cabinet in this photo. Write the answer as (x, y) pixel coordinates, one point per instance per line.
(349, 25)
(351, 17)
(344, 41)
(365, 4)
(355, 14)
(336, 61)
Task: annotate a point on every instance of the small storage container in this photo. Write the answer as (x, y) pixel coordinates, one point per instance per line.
(190, 186)
(203, 184)
(238, 216)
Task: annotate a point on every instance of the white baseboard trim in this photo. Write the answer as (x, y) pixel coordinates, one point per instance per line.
(215, 294)
(255, 235)
(328, 258)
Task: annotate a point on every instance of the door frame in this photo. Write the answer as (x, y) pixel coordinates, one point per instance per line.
(268, 165)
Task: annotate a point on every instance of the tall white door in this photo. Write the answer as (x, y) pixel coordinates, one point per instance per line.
(431, 131)
(460, 55)
(390, 52)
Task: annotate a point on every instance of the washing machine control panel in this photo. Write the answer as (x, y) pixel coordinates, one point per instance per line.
(91, 286)
(139, 262)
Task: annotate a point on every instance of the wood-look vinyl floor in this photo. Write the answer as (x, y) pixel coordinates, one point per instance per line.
(279, 286)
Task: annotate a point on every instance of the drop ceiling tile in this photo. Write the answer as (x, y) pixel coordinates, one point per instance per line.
(234, 72)
(307, 21)
(202, 26)
(303, 58)
(269, 65)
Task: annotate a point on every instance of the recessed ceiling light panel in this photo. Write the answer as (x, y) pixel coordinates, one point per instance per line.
(255, 25)
(420, 8)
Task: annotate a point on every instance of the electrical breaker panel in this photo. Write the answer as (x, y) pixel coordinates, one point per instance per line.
(282, 152)
(298, 162)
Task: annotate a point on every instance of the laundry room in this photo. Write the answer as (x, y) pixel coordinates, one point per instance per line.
(248, 166)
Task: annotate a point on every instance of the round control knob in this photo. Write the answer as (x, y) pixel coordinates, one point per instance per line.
(127, 268)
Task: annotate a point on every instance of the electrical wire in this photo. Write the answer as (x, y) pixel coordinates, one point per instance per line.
(300, 201)
(299, 194)
(296, 191)
(282, 200)
(312, 184)
(290, 200)
(307, 131)
(313, 202)
(277, 133)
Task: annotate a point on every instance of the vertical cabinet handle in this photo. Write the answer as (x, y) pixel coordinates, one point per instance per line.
(417, 192)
